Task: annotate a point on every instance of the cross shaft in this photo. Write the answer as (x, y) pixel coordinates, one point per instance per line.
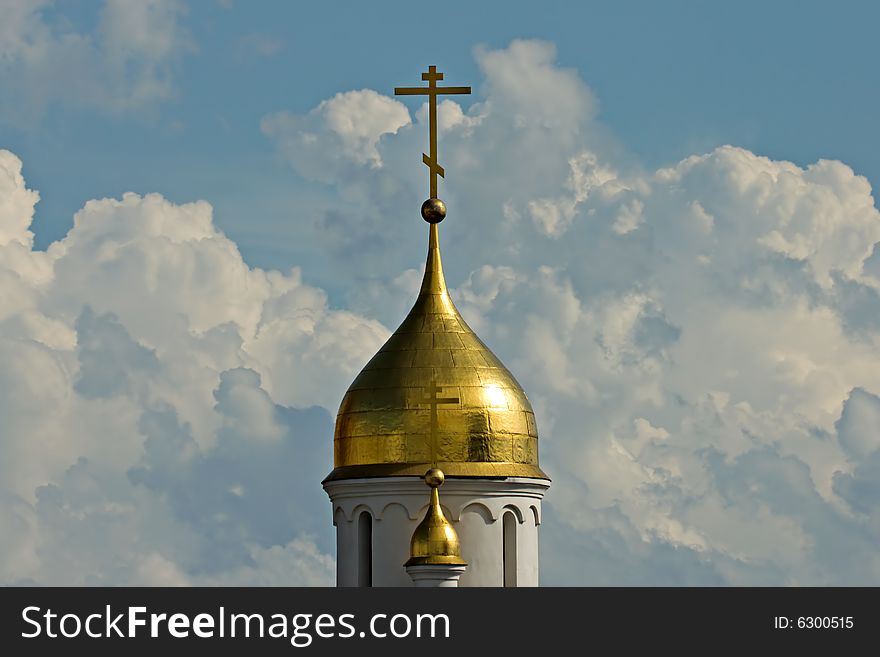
(432, 91)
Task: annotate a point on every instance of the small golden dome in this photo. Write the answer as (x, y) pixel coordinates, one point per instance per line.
(434, 541)
(435, 395)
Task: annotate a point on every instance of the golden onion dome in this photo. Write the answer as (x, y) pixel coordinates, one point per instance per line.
(435, 541)
(435, 395)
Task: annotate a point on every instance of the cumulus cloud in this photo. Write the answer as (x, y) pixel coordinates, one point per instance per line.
(700, 341)
(125, 62)
(524, 83)
(17, 202)
(698, 394)
(344, 130)
(164, 403)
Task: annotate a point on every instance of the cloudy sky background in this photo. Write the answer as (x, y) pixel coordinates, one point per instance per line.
(661, 220)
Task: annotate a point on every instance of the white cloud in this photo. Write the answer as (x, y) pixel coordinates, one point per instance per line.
(343, 130)
(159, 400)
(629, 216)
(860, 438)
(124, 63)
(700, 342)
(524, 82)
(450, 116)
(859, 424)
(17, 202)
(586, 176)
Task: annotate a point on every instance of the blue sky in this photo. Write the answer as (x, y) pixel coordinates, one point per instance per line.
(661, 218)
(790, 80)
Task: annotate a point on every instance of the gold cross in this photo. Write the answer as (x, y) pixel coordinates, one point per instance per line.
(432, 90)
(431, 398)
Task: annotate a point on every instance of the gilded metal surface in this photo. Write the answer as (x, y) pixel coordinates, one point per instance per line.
(435, 394)
(434, 541)
(432, 91)
(433, 210)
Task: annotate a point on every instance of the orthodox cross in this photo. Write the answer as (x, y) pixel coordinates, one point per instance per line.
(432, 91)
(433, 400)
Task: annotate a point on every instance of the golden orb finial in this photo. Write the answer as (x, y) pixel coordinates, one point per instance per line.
(433, 210)
(435, 477)
(435, 541)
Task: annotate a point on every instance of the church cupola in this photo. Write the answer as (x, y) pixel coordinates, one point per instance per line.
(435, 398)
